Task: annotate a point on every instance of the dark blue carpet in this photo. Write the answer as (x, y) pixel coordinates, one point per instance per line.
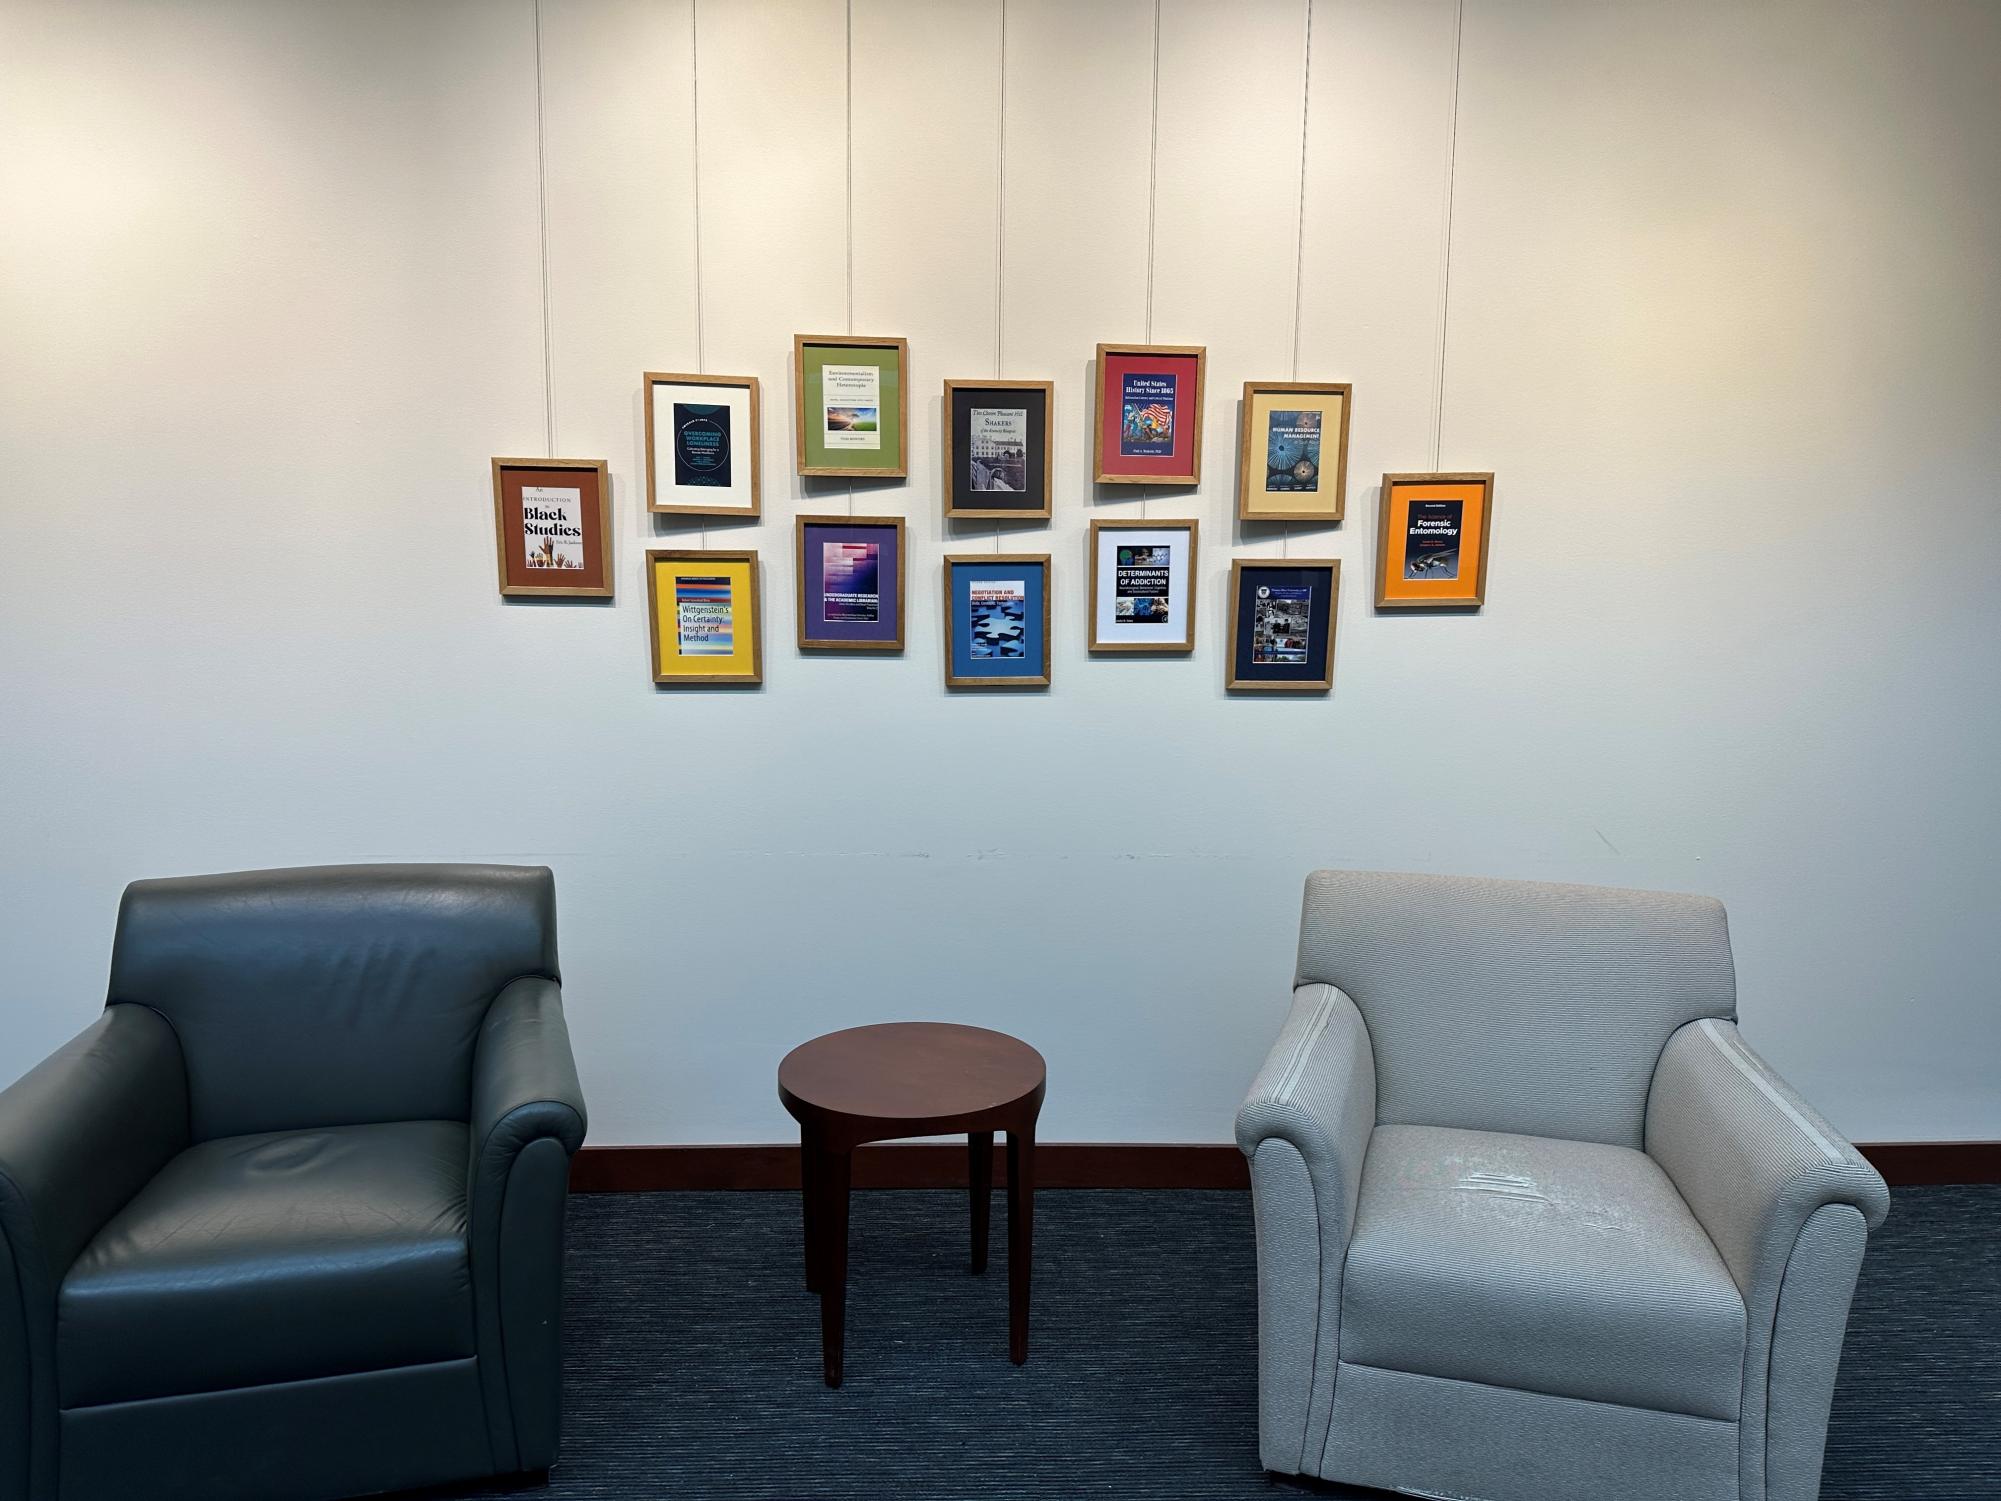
(693, 1365)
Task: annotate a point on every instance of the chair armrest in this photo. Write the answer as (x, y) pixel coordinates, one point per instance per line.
(524, 1085)
(1317, 1091)
(80, 1134)
(1752, 1159)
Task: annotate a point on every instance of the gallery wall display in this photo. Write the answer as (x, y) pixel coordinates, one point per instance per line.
(703, 455)
(703, 614)
(552, 526)
(1282, 613)
(998, 460)
(1147, 417)
(997, 620)
(851, 573)
(1431, 541)
(1293, 451)
(1142, 585)
(851, 406)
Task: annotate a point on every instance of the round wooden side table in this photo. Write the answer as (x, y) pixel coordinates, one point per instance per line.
(904, 1079)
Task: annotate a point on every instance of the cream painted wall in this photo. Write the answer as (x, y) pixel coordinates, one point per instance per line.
(1720, 308)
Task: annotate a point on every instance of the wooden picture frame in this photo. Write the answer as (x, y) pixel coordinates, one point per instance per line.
(964, 498)
(704, 568)
(591, 562)
(1262, 479)
(1405, 582)
(963, 667)
(1313, 671)
(1173, 633)
(883, 633)
(1121, 456)
(810, 440)
(742, 401)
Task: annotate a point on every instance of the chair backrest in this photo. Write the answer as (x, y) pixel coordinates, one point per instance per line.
(1515, 1005)
(332, 995)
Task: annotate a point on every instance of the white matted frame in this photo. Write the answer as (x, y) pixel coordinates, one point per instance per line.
(1122, 585)
(674, 460)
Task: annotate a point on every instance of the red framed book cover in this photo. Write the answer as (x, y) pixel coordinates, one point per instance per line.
(1147, 427)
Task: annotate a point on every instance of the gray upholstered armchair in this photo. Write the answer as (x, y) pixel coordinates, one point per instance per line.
(286, 1221)
(1533, 1223)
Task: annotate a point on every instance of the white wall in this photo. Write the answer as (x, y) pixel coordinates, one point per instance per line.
(1713, 291)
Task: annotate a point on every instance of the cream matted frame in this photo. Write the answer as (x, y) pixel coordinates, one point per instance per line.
(1250, 449)
(1103, 526)
(754, 442)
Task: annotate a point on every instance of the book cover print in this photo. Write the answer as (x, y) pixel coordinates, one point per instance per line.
(850, 588)
(704, 617)
(998, 439)
(701, 445)
(1140, 583)
(1281, 625)
(851, 406)
(1431, 539)
(999, 611)
(552, 526)
(1146, 415)
(1292, 453)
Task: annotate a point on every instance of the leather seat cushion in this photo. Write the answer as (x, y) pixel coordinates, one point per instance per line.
(1568, 1268)
(276, 1257)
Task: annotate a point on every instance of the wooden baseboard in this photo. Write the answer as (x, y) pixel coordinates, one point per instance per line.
(1093, 1164)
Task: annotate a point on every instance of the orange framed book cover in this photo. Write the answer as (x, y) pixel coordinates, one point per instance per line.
(552, 527)
(1432, 541)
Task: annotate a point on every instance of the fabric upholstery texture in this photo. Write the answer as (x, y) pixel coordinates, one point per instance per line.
(286, 1221)
(1574, 1239)
(1567, 1268)
(1516, 1005)
(319, 1252)
(330, 996)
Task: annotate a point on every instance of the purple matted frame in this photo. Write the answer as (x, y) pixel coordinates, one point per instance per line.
(818, 633)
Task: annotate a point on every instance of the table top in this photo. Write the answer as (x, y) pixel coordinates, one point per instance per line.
(910, 1071)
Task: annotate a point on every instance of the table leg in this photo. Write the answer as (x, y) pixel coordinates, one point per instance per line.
(980, 1162)
(809, 1209)
(832, 1173)
(1020, 1236)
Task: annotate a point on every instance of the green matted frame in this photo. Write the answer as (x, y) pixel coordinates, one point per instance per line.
(813, 352)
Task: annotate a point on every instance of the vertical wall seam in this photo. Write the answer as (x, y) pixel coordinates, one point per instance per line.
(1299, 248)
(695, 153)
(1445, 248)
(1000, 241)
(849, 103)
(1152, 193)
(542, 213)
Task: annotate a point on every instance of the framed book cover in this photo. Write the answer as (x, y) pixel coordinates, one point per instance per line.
(1293, 451)
(703, 454)
(997, 446)
(851, 573)
(1142, 586)
(1431, 541)
(552, 527)
(997, 620)
(1282, 613)
(703, 614)
(851, 406)
(1147, 416)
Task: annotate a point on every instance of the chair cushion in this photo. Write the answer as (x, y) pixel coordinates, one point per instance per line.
(276, 1257)
(1568, 1268)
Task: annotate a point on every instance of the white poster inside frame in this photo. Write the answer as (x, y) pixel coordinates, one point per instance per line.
(704, 447)
(1143, 594)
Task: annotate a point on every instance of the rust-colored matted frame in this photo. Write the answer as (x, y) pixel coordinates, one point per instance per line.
(544, 591)
(755, 443)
